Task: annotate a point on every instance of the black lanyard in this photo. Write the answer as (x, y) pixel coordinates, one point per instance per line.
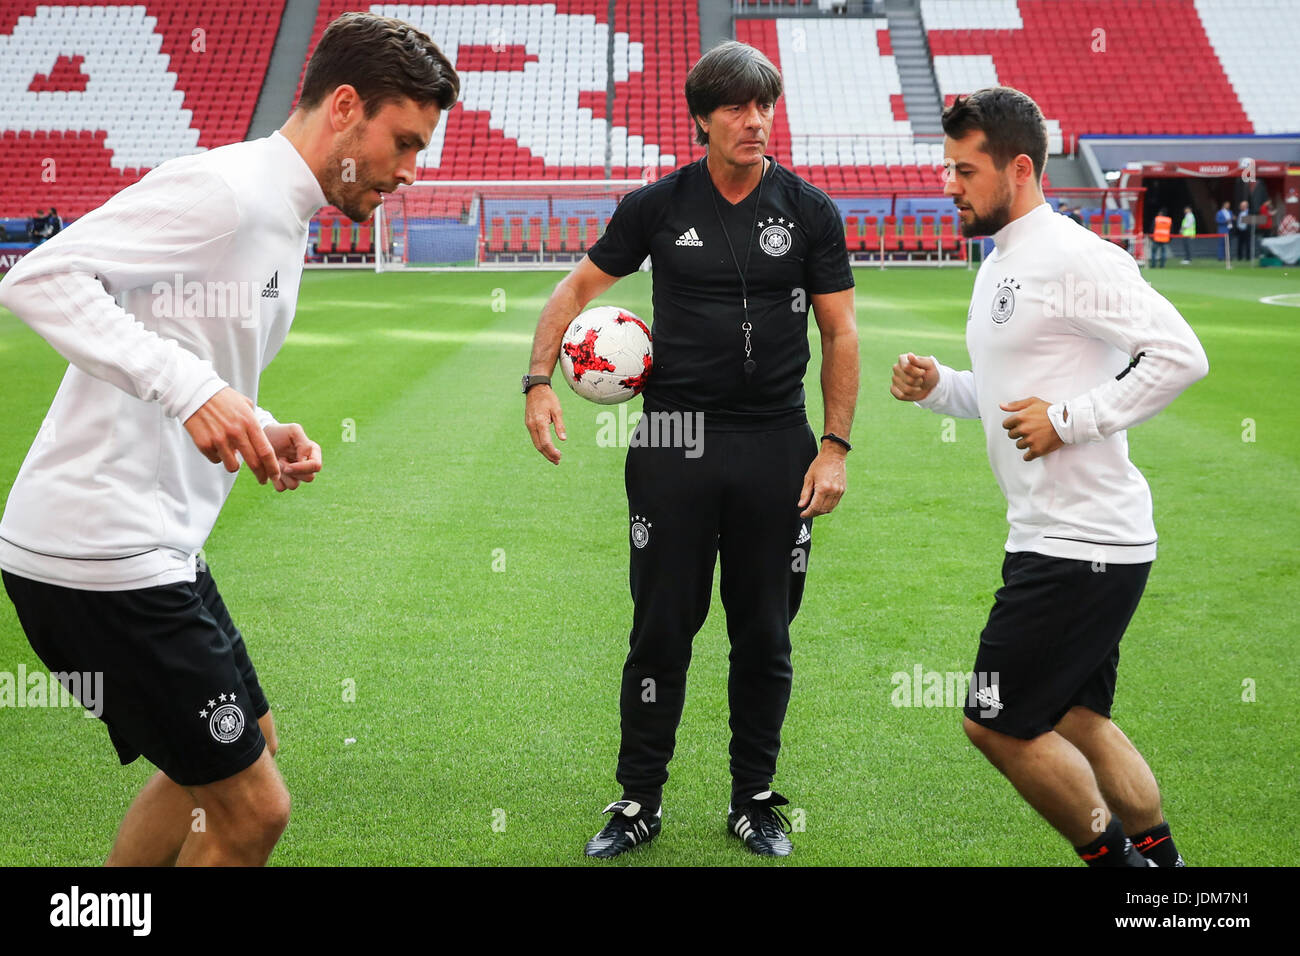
(745, 326)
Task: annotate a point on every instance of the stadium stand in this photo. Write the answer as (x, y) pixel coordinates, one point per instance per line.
(1265, 86)
(96, 95)
(533, 78)
(1091, 65)
(825, 64)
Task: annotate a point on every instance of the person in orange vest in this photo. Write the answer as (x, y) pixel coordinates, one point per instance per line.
(1160, 239)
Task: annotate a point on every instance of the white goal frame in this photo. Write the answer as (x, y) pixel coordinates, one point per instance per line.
(559, 259)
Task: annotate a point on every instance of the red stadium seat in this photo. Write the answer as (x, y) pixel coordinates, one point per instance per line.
(947, 234)
(929, 238)
(852, 234)
(891, 234)
(909, 240)
(325, 238)
(871, 237)
(365, 233)
(496, 236)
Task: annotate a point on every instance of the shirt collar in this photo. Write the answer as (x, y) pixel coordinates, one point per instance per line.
(302, 190)
(1015, 232)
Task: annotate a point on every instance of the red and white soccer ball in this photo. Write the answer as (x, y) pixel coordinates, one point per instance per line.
(606, 355)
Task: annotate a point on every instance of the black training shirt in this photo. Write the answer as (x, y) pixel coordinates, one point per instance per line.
(795, 251)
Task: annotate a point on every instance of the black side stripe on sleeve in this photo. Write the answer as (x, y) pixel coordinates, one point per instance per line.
(1131, 366)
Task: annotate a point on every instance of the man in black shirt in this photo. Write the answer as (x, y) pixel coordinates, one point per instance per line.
(741, 247)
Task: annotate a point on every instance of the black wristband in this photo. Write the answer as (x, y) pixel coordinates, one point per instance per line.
(838, 440)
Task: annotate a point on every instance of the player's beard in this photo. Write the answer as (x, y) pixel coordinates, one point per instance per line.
(992, 219)
(349, 186)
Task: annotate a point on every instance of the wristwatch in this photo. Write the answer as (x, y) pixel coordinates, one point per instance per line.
(531, 380)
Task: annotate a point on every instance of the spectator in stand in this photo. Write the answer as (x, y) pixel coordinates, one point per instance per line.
(1074, 214)
(1187, 230)
(1243, 230)
(1223, 223)
(54, 225)
(1160, 239)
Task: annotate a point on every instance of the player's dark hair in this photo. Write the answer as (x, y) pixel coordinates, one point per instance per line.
(730, 73)
(1011, 123)
(384, 59)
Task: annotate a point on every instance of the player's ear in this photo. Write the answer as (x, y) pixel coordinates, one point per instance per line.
(1024, 169)
(344, 106)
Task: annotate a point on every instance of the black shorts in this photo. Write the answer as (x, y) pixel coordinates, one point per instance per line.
(1052, 641)
(177, 685)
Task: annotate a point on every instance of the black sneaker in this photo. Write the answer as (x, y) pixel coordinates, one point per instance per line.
(761, 825)
(629, 827)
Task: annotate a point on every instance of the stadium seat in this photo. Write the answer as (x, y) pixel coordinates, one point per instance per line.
(891, 234)
(929, 237)
(496, 242)
(871, 236)
(909, 241)
(948, 241)
(852, 234)
(325, 238)
(572, 242)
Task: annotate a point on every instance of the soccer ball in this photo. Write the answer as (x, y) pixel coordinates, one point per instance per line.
(606, 355)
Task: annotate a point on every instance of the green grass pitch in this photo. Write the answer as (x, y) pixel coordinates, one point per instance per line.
(476, 597)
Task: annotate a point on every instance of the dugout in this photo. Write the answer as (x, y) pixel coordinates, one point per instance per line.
(1202, 172)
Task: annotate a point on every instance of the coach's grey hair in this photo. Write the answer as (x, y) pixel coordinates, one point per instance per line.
(384, 59)
(729, 73)
(1011, 123)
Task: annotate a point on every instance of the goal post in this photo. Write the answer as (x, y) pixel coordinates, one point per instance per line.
(443, 225)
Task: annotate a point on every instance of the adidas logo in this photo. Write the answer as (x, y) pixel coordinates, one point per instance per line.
(804, 536)
(988, 696)
(690, 238)
(272, 290)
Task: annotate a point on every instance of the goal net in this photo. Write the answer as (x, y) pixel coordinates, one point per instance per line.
(515, 224)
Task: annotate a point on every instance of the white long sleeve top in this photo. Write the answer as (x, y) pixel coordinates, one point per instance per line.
(180, 285)
(1059, 313)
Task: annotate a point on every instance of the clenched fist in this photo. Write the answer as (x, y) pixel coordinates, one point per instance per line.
(915, 377)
